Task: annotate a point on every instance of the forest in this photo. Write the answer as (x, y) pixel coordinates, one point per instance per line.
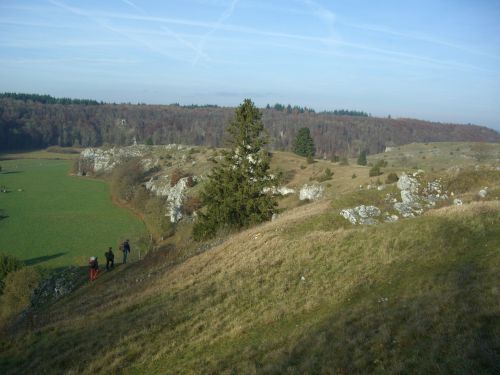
(30, 121)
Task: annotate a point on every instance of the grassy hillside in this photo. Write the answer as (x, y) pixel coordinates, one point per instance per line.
(54, 219)
(418, 295)
(306, 293)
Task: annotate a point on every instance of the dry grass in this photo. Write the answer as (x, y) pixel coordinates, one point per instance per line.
(307, 293)
(265, 302)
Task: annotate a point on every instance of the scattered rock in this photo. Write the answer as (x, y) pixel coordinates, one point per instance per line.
(391, 218)
(364, 215)
(457, 202)
(59, 284)
(311, 192)
(483, 192)
(407, 183)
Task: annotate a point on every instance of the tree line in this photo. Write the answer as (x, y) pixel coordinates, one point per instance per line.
(34, 124)
(47, 99)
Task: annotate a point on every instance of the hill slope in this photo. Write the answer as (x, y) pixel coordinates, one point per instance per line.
(303, 294)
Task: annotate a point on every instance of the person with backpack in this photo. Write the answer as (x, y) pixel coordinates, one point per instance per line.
(110, 259)
(126, 251)
(93, 268)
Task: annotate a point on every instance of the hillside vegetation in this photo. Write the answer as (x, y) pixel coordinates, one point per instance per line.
(31, 124)
(418, 295)
(306, 293)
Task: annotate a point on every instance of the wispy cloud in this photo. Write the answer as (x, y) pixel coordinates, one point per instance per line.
(178, 37)
(224, 16)
(419, 37)
(105, 25)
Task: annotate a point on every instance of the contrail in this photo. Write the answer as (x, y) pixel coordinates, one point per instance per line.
(201, 45)
(177, 37)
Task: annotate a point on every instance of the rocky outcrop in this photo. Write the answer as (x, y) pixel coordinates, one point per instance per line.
(414, 199)
(59, 284)
(160, 186)
(361, 214)
(101, 160)
(311, 192)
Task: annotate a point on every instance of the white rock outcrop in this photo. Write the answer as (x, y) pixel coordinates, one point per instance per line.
(361, 214)
(311, 192)
(106, 160)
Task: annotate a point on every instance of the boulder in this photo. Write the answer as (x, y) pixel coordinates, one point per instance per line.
(364, 215)
(408, 183)
(311, 192)
(483, 192)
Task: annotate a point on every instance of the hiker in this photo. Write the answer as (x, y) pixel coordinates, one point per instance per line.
(110, 259)
(93, 268)
(126, 251)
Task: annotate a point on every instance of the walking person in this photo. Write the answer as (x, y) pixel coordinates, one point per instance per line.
(93, 268)
(126, 251)
(110, 259)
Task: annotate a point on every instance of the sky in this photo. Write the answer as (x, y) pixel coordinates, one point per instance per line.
(434, 60)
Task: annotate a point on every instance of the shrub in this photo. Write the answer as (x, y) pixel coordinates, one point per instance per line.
(327, 176)
(374, 171)
(391, 178)
(344, 161)
(19, 287)
(177, 174)
(126, 178)
(310, 160)
(354, 176)
(8, 264)
(191, 204)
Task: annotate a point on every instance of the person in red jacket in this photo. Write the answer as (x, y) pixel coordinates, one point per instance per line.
(93, 268)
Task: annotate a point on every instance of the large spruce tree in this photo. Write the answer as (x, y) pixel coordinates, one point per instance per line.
(238, 192)
(303, 143)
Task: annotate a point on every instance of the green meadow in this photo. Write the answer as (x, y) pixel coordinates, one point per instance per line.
(50, 218)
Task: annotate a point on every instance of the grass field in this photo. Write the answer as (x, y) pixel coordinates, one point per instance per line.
(53, 219)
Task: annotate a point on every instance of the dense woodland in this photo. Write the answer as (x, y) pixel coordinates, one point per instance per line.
(35, 122)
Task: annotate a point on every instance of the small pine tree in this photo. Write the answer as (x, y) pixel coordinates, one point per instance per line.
(303, 143)
(362, 158)
(235, 195)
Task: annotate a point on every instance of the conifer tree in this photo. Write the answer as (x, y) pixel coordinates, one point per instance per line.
(362, 158)
(303, 143)
(238, 191)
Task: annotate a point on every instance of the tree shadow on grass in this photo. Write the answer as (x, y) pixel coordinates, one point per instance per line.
(11, 172)
(45, 258)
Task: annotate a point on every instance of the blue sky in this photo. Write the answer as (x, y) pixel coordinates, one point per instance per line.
(434, 60)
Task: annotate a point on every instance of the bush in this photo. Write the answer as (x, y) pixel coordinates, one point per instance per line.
(327, 176)
(354, 176)
(391, 178)
(310, 160)
(19, 287)
(374, 171)
(159, 224)
(8, 264)
(344, 161)
(126, 179)
(178, 174)
(190, 205)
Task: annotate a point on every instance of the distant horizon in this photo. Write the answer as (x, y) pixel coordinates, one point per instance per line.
(437, 61)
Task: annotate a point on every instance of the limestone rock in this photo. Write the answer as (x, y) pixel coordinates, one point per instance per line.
(311, 192)
(483, 192)
(361, 214)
